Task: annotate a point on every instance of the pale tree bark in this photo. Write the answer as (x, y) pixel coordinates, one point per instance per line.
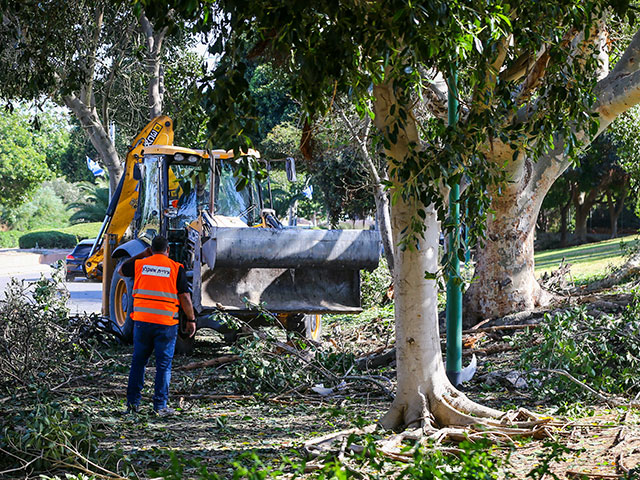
(424, 393)
(505, 281)
(379, 194)
(83, 103)
(99, 137)
(154, 65)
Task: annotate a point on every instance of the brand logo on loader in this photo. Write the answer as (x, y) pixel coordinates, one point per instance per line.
(153, 134)
(156, 271)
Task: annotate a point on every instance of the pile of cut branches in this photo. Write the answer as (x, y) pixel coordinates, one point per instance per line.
(39, 343)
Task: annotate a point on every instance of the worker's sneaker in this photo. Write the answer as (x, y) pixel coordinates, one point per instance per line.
(131, 409)
(166, 412)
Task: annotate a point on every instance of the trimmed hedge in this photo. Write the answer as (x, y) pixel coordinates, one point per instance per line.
(48, 239)
(9, 239)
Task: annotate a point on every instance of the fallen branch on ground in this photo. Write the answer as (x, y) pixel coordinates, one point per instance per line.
(210, 363)
(609, 400)
(376, 360)
(629, 269)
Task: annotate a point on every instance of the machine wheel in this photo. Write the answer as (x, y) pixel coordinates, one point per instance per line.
(309, 325)
(121, 306)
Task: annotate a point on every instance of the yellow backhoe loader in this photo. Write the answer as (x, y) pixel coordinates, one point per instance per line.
(236, 253)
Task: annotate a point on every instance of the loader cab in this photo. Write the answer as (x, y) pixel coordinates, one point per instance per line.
(174, 189)
(177, 184)
(244, 204)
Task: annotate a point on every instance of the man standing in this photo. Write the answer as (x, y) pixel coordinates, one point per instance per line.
(159, 288)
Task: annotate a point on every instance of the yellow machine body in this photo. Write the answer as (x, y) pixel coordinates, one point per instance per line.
(158, 131)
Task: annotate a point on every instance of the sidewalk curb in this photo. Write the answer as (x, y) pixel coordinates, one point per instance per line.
(16, 262)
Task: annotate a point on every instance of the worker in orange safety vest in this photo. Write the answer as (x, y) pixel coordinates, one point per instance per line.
(160, 288)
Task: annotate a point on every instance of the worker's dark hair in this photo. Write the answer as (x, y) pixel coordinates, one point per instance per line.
(159, 244)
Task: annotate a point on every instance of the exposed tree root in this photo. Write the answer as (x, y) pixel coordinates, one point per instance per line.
(515, 424)
(466, 420)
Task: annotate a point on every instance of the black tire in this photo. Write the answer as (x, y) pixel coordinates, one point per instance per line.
(121, 306)
(309, 325)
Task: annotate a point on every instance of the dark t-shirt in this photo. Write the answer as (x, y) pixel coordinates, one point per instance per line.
(129, 270)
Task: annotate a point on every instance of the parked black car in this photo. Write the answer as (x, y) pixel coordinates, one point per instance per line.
(76, 259)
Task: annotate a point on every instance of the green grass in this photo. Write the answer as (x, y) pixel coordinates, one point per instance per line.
(10, 239)
(83, 230)
(587, 261)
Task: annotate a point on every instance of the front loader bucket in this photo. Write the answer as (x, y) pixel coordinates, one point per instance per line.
(288, 270)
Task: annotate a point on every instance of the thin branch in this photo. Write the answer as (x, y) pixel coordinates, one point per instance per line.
(95, 44)
(611, 401)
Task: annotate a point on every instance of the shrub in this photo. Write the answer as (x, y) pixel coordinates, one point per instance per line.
(34, 332)
(48, 438)
(48, 239)
(374, 285)
(602, 351)
(9, 239)
(44, 210)
(68, 192)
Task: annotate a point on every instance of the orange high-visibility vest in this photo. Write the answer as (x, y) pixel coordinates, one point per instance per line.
(155, 291)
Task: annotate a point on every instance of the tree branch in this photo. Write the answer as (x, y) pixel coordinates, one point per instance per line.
(98, 136)
(534, 78)
(154, 47)
(519, 68)
(616, 95)
(91, 66)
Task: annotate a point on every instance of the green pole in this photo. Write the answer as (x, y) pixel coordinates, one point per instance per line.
(454, 292)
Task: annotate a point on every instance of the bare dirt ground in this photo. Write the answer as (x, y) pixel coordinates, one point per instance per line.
(220, 419)
(224, 413)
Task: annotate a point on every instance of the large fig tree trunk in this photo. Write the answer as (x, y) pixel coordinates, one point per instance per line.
(505, 280)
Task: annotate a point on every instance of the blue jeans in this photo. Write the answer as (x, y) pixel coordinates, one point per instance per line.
(148, 337)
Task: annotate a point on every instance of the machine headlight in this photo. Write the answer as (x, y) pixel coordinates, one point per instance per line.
(192, 159)
(178, 157)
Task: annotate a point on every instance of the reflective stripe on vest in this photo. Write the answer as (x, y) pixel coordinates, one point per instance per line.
(155, 292)
(155, 311)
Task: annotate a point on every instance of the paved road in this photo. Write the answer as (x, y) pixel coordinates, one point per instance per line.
(84, 296)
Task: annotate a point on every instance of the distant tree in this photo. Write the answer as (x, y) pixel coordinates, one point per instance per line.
(94, 205)
(44, 209)
(626, 133)
(23, 160)
(103, 60)
(345, 182)
(590, 180)
(270, 89)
